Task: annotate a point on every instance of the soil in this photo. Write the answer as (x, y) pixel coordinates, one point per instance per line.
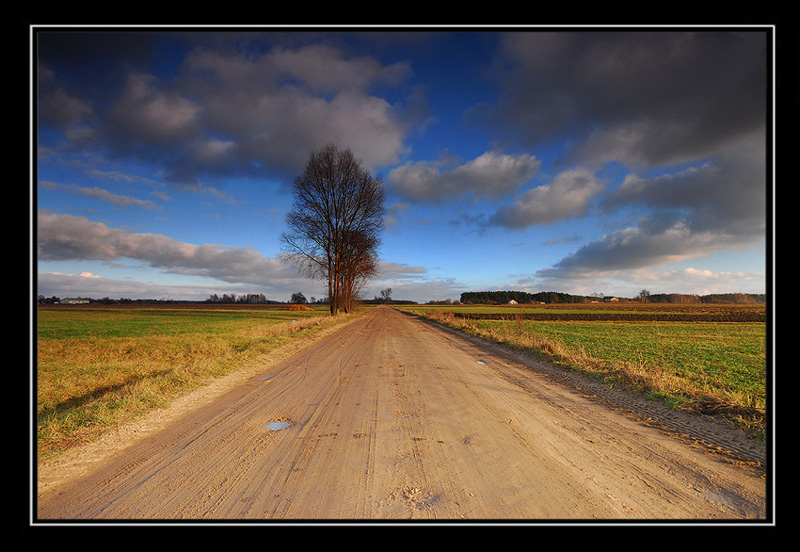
(390, 417)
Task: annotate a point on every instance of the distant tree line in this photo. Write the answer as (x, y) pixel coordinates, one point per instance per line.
(478, 297)
(249, 298)
(504, 297)
(55, 300)
(736, 298)
(501, 297)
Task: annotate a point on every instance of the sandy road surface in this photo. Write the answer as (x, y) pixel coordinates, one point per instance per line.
(393, 419)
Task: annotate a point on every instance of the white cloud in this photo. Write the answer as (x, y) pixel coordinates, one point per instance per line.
(420, 290)
(700, 281)
(389, 271)
(414, 283)
(566, 196)
(100, 194)
(68, 237)
(213, 150)
(490, 175)
(628, 283)
(60, 284)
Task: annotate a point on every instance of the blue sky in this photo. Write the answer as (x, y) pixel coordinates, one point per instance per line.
(535, 159)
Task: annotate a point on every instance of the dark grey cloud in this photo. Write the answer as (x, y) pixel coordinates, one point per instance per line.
(715, 206)
(247, 108)
(644, 98)
(688, 107)
(726, 195)
(95, 52)
(56, 105)
(652, 242)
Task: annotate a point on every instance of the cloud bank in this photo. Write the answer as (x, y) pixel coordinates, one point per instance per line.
(567, 195)
(684, 113)
(643, 98)
(229, 111)
(68, 237)
(490, 175)
(677, 119)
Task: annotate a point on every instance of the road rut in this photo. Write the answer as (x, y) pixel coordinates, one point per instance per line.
(391, 418)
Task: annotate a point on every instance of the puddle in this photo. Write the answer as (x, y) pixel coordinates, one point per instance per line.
(717, 498)
(278, 425)
(266, 378)
(481, 362)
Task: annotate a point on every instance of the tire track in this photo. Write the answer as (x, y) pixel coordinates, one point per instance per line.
(714, 434)
(395, 419)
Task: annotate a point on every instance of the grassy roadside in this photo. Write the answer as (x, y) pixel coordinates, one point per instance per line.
(98, 367)
(711, 368)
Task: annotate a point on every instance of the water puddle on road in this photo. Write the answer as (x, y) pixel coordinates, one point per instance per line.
(278, 425)
(716, 498)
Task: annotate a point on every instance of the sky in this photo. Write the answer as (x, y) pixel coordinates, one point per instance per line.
(599, 161)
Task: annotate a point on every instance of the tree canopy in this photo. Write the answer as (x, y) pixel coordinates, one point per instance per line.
(334, 225)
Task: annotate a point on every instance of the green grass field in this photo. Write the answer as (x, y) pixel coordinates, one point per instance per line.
(61, 322)
(710, 367)
(100, 365)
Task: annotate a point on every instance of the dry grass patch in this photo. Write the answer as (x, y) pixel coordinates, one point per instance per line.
(711, 368)
(120, 365)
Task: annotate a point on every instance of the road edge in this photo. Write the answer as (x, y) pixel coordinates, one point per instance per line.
(709, 433)
(48, 475)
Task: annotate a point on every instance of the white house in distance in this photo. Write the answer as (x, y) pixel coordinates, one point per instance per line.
(74, 301)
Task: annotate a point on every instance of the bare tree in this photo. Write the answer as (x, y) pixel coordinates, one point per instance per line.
(360, 263)
(334, 225)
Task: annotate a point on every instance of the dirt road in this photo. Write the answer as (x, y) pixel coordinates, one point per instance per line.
(394, 419)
